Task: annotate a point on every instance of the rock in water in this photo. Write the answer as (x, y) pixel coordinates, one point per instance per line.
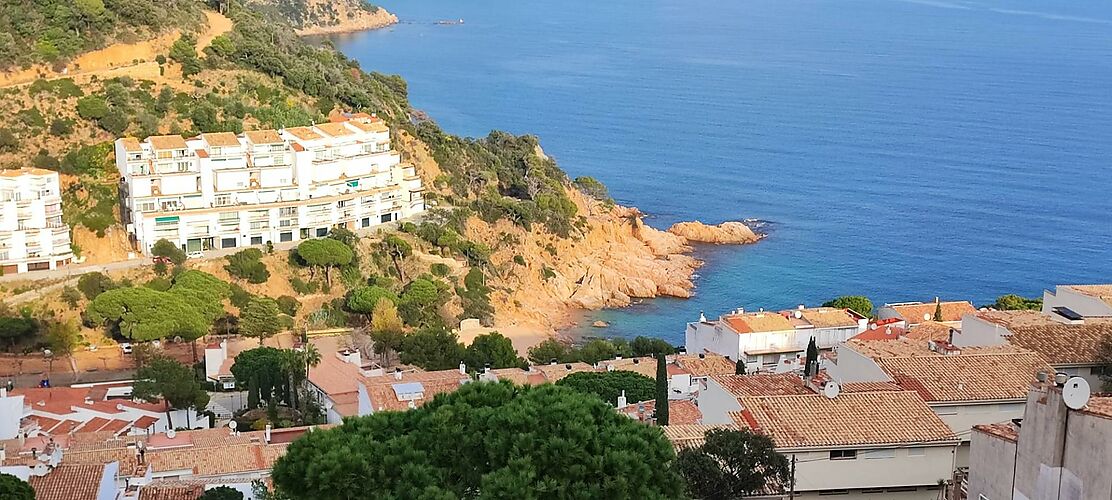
(600, 324)
(726, 233)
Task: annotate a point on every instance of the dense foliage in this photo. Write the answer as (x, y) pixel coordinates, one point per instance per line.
(1012, 302)
(246, 264)
(607, 386)
(54, 31)
(596, 350)
(14, 488)
(856, 303)
(167, 379)
(486, 440)
(732, 464)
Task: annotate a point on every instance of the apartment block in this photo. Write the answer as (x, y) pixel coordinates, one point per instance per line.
(220, 190)
(32, 234)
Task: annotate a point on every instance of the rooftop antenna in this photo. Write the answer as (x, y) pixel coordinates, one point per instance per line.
(831, 389)
(1076, 393)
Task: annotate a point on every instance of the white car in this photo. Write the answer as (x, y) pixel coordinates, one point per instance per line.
(126, 347)
(196, 254)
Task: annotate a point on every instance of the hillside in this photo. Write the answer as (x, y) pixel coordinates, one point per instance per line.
(317, 17)
(521, 248)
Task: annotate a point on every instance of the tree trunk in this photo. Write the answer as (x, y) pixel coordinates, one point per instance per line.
(193, 347)
(169, 419)
(398, 267)
(73, 366)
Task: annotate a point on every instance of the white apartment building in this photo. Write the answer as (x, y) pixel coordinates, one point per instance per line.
(769, 340)
(219, 190)
(32, 234)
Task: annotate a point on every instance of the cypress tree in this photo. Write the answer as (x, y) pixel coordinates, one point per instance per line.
(739, 367)
(253, 393)
(937, 310)
(661, 390)
(812, 366)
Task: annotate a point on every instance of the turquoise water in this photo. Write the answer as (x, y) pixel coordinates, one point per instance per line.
(899, 149)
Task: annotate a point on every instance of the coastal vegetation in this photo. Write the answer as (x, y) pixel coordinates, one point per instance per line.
(486, 440)
(608, 386)
(1013, 302)
(595, 350)
(859, 304)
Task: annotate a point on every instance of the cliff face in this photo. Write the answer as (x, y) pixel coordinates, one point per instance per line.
(726, 233)
(616, 260)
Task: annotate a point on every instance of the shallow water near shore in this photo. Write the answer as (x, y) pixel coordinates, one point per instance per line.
(903, 149)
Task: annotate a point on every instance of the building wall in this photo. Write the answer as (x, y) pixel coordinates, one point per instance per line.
(852, 366)
(32, 234)
(1089, 373)
(874, 468)
(703, 337)
(715, 402)
(978, 332)
(108, 486)
(1076, 302)
(1046, 437)
(991, 464)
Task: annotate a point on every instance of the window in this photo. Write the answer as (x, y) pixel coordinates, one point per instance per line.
(322, 232)
(885, 453)
(833, 492)
(227, 243)
(386, 218)
(285, 236)
(917, 452)
(304, 233)
(843, 454)
(256, 240)
(145, 206)
(366, 222)
(287, 212)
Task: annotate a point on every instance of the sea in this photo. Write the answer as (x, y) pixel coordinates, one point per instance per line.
(898, 149)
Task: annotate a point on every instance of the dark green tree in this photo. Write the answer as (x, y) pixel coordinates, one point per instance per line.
(661, 390)
(609, 385)
(164, 248)
(93, 284)
(12, 330)
(325, 253)
(739, 367)
(143, 314)
(14, 488)
(486, 440)
(398, 249)
(246, 264)
(732, 464)
(811, 368)
(266, 367)
(475, 296)
(856, 303)
(1012, 302)
(937, 311)
(363, 299)
(551, 349)
(492, 349)
(432, 348)
(648, 346)
(419, 302)
(184, 51)
(260, 319)
(221, 493)
(167, 379)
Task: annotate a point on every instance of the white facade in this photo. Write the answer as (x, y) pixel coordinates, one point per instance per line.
(906, 471)
(32, 234)
(223, 191)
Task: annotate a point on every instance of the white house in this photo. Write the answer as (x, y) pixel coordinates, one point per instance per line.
(219, 190)
(765, 340)
(1083, 300)
(32, 234)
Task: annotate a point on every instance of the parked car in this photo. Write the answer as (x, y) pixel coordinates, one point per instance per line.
(196, 254)
(163, 260)
(125, 347)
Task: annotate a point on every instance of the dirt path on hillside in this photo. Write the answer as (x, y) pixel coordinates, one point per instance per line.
(131, 59)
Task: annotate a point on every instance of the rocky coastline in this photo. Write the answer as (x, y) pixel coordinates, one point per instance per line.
(352, 21)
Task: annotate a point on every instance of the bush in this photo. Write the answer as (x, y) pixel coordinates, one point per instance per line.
(856, 303)
(519, 260)
(31, 118)
(609, 385)
(245, 264)
(92, 107)
(288, 305)
(44, 160)
(302, 287)
(93, 284)
(115, 122)
(8, 140)
(160, 284)
(239, 297)
(440, 269)
(61, 127)
(71, 296)
(164, 248)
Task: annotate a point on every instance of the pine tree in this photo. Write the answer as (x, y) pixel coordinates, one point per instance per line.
(812, 367)
(253, 393)
(661, 390)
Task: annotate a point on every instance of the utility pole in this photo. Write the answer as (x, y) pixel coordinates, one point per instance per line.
(791, 486)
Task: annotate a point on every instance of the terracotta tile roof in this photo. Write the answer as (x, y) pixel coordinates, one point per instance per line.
(1059, 343)
(758, 322)
(159, 490)
(1101, 292)
(519, 376)
(709, 364)
(869, 387)
(1004, 430)
(303, 133)
(163, 142)
(853, 419)
(554, 373)
(131, 144)
(334, 129)
(209, 461)
(263, 137)
(339, 380)
(68, 482)
(1100, 406)
(680, 411)
(220, 139)
(690, 436)
(880, 332)
(144, 422)
(966, 377)
(645, 366)
(930, 330)
(907, 347)
(762, 384)
(19, 172)
(384, 396)
(827, 317)
(915, 313)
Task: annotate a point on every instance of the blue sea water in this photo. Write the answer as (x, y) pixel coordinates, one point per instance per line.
(900, 149)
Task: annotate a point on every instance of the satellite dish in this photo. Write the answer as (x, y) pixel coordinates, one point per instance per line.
(831, 389)
(926, 317)
(1076, 393)
(171, 433)
(233, 424)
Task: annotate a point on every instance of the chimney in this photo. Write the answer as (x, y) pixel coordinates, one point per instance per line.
(622, 400)
(462, 368)
(1060, 379)
(702, 356)
(266, 434)
(702, 317)
(3, 392)
(397, 373)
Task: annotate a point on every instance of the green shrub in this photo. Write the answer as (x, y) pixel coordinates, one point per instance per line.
(32, 118)
(61, 127)
(245, 264)
(302, 287)
(440, 269)
(92, 107)
(160, 284)
(288, 305)
(8, 141)
(519, 260)
(93, 284)
(239, 296)
(115, 122)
